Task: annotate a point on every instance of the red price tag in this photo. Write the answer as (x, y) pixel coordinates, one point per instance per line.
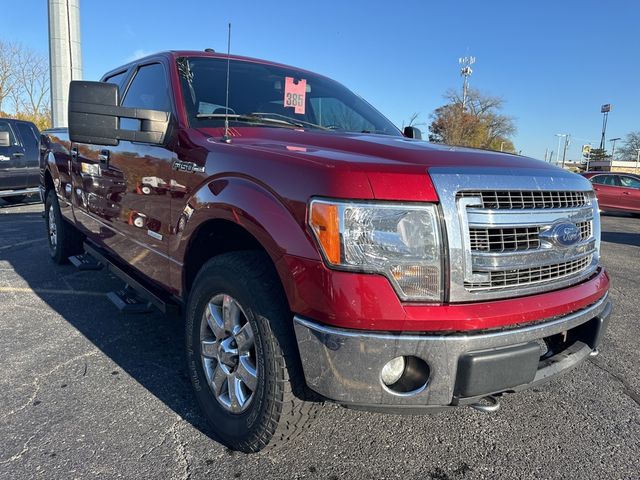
(294, 94)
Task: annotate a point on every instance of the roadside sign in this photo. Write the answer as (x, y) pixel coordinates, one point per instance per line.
(605, 108)
(586, 150)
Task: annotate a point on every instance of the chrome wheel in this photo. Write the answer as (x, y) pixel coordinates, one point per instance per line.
(228, 353)
(53, 228)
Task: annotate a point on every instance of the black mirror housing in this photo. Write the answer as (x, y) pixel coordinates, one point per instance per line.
(412, 132)
(94, 117)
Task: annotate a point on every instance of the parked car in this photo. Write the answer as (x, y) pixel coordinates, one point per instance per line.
(318, 252)
(616, 191)
(19, 166)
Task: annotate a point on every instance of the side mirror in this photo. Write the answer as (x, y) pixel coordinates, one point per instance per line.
(5, 141)
(412, 132)
(94, 117)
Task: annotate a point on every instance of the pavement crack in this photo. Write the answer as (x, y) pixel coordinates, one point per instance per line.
(181, 451)
(37, 381)
(627, 389)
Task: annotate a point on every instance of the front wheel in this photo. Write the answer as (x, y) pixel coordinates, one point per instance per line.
(242, 356)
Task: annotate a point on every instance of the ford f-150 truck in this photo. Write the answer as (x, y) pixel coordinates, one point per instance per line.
(317, 252)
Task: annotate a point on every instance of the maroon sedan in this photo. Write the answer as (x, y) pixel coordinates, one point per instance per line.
(616, 191)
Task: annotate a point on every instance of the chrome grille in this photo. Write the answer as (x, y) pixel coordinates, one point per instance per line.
(513, 239)
(521, 200)
(529, 276)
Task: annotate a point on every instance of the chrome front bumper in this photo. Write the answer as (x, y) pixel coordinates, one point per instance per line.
(345, 365)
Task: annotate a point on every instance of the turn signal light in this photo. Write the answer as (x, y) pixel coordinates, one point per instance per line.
(325, 224)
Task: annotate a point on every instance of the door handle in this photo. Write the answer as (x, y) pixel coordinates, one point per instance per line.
(625, 193)
(103, 156)
(18, 155)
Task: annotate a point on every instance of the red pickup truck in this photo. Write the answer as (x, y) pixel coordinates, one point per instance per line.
(316, 251)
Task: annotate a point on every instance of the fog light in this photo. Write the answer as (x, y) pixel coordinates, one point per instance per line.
(392, 371)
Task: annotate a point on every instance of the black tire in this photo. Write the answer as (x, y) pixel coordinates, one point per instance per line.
(14, 199)
(67, 241)
(278, 409)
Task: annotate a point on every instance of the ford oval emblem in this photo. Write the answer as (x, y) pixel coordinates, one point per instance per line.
(564, 234)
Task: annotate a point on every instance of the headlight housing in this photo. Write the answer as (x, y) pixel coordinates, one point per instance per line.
(401, 241)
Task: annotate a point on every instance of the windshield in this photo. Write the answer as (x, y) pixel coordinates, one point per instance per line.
(271, 96)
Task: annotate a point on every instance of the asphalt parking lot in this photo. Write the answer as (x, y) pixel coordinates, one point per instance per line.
(86, 392)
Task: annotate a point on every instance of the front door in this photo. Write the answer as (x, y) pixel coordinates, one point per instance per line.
(31, 142)
(12, 161)
(125, 188)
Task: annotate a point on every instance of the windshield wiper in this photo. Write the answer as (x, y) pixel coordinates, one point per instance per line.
(248, 118)
(293, 121)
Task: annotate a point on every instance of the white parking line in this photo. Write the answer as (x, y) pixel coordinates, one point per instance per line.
(52, 291)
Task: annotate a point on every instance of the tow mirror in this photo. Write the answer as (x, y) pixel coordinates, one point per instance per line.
(5, 141)
(412, 132)
(94, 117)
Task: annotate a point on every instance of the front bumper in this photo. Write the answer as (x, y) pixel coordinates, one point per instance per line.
(345, 365)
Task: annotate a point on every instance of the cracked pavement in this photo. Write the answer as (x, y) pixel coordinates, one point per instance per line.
(86, 392)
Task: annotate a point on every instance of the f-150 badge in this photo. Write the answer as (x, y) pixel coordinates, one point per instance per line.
(186, 167)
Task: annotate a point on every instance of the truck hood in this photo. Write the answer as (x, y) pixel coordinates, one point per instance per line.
(371, 150)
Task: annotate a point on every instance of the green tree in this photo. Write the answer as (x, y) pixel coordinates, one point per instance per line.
(479, 124)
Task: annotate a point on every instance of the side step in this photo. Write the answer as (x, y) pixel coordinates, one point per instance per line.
(136, 297)
(85, 262)
(127, 300)
(24, 191)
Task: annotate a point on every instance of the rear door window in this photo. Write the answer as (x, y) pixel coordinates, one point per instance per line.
(29, 140)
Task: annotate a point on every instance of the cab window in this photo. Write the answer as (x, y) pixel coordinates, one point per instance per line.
(29, 139)
(149, 89)
(6, 127)
(629, 182)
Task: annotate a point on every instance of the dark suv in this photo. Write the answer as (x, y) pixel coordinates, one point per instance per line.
(19, 167)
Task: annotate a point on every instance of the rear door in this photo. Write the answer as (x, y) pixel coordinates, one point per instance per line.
(12, 161)
(31, 142)
(630, 192)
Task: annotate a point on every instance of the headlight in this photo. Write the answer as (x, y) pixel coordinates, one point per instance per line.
(397, 240)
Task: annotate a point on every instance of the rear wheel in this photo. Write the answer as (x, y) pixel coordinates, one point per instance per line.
(64, 238)
(242, 355)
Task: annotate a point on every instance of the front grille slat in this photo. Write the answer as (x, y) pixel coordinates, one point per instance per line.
(530, 276)
(513, 239)
(521, 200)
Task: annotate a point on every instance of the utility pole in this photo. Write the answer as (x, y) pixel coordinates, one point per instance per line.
(604, 110)
(65, 57)
(566, 145)
(465, 71)
(559, 135)
(613, 148)
(637, 159)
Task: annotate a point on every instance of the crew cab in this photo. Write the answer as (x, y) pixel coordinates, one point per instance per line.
(19, 153)
(315, 251)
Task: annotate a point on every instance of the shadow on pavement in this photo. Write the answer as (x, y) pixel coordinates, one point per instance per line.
(148, 347)
(622, 238)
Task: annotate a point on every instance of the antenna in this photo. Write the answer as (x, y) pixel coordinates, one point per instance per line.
(225, 137)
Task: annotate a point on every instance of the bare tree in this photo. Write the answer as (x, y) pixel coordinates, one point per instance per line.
(24, 80)
(8, 56)
(630, 147)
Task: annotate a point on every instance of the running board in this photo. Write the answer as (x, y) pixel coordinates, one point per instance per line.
(143, 295)
(25, 191)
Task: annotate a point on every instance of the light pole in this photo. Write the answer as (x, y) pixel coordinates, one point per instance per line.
(559, 135)
(613, 148)
(566, 145)
(466, 71)
(637, 159)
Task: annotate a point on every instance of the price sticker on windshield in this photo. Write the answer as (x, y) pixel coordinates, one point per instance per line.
(294, 94)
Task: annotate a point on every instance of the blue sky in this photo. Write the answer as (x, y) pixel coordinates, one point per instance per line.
(554, 62)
